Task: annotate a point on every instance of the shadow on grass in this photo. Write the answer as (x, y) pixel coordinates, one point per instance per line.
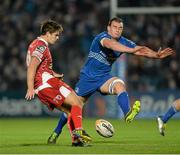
(32, 144)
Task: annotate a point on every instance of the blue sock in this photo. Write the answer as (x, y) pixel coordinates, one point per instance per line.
(171, 111)
(61, 123)
(123, 101)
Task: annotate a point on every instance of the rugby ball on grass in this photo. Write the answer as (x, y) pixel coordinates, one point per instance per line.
(104, 128)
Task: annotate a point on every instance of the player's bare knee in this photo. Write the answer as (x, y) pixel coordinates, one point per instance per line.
(76, 101)
(79, 104)
(117, 86)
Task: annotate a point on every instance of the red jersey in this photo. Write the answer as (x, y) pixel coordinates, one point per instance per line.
(39, 49)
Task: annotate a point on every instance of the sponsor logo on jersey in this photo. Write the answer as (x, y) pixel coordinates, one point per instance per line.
(41, 48)
(37, 54)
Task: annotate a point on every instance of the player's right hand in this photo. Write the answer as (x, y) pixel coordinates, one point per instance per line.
(165, 53)
(30, 94)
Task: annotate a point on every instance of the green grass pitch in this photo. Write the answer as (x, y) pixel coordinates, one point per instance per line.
(29, 136)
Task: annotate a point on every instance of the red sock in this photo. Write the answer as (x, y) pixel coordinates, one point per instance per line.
(76, 115)
(71, 126)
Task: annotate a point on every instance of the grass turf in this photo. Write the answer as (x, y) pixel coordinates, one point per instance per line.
(29, 136)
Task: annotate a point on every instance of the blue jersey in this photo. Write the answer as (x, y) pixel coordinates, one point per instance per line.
(100, 59)
(97, 68)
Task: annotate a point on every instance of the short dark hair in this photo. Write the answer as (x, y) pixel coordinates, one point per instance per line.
(50, 26)
(119, 20)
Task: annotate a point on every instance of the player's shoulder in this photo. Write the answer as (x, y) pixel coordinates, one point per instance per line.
(103, 34)
(39, 45)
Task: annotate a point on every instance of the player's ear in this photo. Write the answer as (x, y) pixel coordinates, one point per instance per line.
(48, 34)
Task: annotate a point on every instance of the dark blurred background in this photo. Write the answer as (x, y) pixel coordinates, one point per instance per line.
(82, 20)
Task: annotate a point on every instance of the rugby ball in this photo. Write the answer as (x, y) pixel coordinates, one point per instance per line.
(104, 128)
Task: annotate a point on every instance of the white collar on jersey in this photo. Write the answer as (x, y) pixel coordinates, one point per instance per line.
(43, 40)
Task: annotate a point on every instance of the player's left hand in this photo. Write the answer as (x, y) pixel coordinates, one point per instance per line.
(165, 53)
(30, 94)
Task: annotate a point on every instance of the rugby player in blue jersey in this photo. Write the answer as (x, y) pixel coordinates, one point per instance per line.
(163, 119)
(95, 74)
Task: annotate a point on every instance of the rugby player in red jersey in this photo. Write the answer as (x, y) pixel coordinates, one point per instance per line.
(51, 90)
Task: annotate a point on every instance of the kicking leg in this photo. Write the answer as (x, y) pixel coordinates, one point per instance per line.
(75, 111)
(62, 121)
(116, 86)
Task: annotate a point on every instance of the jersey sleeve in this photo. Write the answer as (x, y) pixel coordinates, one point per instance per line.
(103, 36)
(39, 51)
(127, 42)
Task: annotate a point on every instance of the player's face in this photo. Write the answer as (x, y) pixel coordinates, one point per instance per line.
(53, 37)
(115, 29)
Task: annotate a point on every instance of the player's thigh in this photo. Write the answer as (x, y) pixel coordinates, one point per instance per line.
(72, 99)
(83, 99)
(51, 97)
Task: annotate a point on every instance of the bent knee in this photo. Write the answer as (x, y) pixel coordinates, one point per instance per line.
(117, 86)
(79, 104)
(73, 100)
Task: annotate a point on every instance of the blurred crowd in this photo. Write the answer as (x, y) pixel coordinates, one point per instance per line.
(154, 31)
(82, 20)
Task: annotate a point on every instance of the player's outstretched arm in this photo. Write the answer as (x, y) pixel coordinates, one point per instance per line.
(31, 71)
(116, 46)
(147, 52)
